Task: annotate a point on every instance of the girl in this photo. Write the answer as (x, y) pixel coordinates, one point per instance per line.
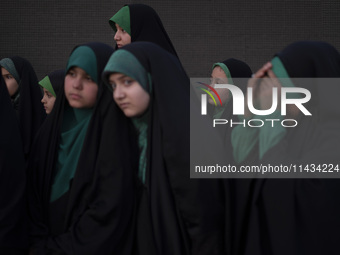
(230, 71)
(139, 22)
(51, 85)
(291, 216)
(21, 81)
(152, 90)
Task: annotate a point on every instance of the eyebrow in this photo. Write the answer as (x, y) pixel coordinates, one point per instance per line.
(120, 77)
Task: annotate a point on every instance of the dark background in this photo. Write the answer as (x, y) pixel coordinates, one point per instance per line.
(203, 32)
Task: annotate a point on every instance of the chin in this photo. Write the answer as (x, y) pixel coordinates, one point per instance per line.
(76, 105)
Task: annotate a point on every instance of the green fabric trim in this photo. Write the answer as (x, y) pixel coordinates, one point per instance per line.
(225, 70)
(270, 136)
(244, 139)
(84, 58)
(283, 76)
(46, 83)
(218, 111)
(141, 124)
(73, 134)
(8, 64)
(122, 18)
(125, 62)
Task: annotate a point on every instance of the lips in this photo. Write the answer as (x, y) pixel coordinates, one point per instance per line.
(75, 96)
(123, 105)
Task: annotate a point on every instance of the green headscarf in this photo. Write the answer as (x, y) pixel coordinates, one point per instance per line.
(8, 64)
(281, 73)
(122, 18)
(46, 83)
(225, 70)
(124, 62)
(74, 127)
(84, 57)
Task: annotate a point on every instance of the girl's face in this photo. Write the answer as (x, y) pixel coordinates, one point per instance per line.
(11, 83)
(129, 95)
(121, 37)
(80, 90)
(218, 76)
(48, 101)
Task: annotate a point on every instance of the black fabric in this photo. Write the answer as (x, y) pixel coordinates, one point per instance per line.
(147, 26)
(184, 214)
(100, 206)
(57, 80)
(30, 109)
(295, 216)
(13, 216)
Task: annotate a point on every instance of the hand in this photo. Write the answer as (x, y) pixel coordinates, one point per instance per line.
(263, 82)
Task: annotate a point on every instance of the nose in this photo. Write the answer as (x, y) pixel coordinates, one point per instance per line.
(43, 99)
(77, 83)
(118, 93)
(117, 36)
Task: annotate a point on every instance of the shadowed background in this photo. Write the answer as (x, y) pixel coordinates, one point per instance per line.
(203, 32)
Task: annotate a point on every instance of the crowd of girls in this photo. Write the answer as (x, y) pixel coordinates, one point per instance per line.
(95, 157)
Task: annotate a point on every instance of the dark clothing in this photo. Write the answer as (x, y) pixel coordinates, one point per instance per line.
(13, 216)
(96, 215)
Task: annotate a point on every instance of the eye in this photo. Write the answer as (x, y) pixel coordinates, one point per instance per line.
(88, 77)
(71, 73)
(113, 86)
(128, 82)
(9, 77)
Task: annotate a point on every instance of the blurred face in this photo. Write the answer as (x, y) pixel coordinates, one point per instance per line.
(48, 101)
(218, 76)
(11, 83)
(129, 95)
(80, 90)
(121, 37)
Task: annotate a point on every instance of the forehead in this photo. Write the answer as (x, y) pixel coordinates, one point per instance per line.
(78, 70)
(116, 76)
(117, 26)
(218, 72)
(4, 71)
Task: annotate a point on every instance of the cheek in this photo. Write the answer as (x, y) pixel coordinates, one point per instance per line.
(127, 39)
(92, 95)
(143, 102)
(51, 101)
(224, 94)
(12, 86)
(67, 85)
